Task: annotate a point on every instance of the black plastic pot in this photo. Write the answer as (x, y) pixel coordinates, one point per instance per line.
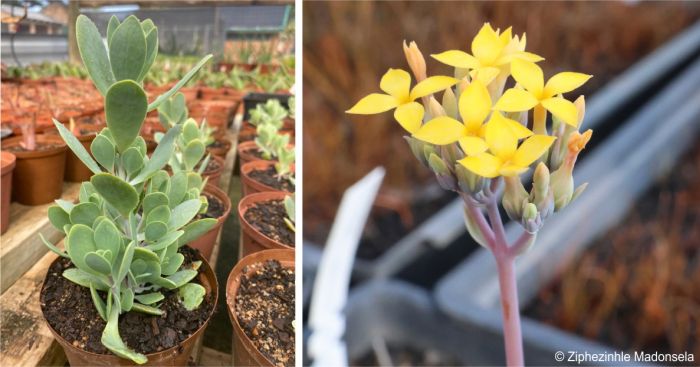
(253, 99)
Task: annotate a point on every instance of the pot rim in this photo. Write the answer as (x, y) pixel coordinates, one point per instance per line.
(9, 161)
(208, 274)
(222, 165)
(60, 148)
(221, 195)
(260, 163)
(246, 202)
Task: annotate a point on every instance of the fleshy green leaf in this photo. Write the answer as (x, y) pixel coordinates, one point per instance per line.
(153, 105)
(65, 205)
(155, 230)
(150, 298)
(165, 241)
(79, 243)
(125, 110)
(178, 187)
(108, 237)
(58, 217)
(146, 309)
(195, 229)
(182, 277)
(159, 214)
(103, 150)
(127, 50)
(154, 200)
(77, 147)
(172, 264)
(160, 156)
(127, 299)
(113, 341)
(183, 213)
(145, 254)
(99, 303)
(98, 263)
(191, 295)
(111, 27)
(53, 248)
(151, 51)
(94, 55)
(194, 151)
(84, 279)
(126, 261)
(85, 213)
(116, 192)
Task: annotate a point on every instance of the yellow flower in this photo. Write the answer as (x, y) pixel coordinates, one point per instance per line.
(396, 83)
(505, 157)
(490, 50)
(474, 108)
(538, 94)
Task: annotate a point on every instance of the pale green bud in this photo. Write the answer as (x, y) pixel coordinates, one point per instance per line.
(562, 187)
(469, 182)
(513, 197)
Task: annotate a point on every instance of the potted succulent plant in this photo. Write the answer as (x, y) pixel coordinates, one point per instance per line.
(266, 221)
(8, 161)
(260, 176)
(270, 112)
(39, 170)
(125, 261)
(260, 299)
(476, 147)
(267, 143)
(189, 152)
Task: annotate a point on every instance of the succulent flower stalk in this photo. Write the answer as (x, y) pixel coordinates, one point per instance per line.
(473, 144)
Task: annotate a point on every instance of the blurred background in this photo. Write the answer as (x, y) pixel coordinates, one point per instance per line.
(348, 46)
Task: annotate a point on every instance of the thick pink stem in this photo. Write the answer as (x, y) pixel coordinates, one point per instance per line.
(510, 309)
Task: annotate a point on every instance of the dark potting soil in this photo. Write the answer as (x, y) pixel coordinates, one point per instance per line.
(69, 309)
(265, 310)
(254, 152)
(212, 167)
(40, 147)
(636, 287)
(217, 144)
(215, 209)
(268, 218)
(408, 356)
(268, 177)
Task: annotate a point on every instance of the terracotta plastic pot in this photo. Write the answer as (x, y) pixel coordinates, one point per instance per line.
(214, 176)
(253, 240)
(38, 176)
(8, 164)
(175, 356)
(205, 243)
(245, 154)
(220, 151)
(250, 186)
(76, 171)
(244, 352)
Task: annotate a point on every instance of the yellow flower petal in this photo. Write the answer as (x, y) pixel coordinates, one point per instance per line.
(501, 140)
(486, 45)
(529, 75)
(484, 164)
(564, 82)
(474, 105)
(510, 56)
(515, 100)
(531, 149)
(486, 75)
(471, 145)
(562, 109)
(396, 83)
(410, 116)
(441, 130)
(457, 59)
(432, 85)
(506, 36)
(374, 103)
(509, 170)
(515, 127)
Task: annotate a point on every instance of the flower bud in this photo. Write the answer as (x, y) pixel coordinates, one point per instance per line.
(449, 103)
(562, 183)
(531, 221)
(418, 149)
(444, 177)
(540, 181)
(468, 181)
(415, 59)
(580, 104)
(513, 197)
(435, 108)
(473, 228)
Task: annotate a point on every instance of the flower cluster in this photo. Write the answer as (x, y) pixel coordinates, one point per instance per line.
(481, 131)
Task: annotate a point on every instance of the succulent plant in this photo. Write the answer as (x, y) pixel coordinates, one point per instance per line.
(191, 145)
(285, 163)
(289, 205)
(272, 112)
(132, 216)
(270, 141)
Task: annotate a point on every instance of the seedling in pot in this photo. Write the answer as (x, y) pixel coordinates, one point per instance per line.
(285, 164)
(269, 141)
(289, 208)
(29, 134)
(132, 216)
(272, 112)
(475, 146)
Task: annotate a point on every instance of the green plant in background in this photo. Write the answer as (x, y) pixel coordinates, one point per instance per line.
(190, 146)
(271, 112)
(289, 205)
(132, 216)
(270, 141)
(292, 106)
(285, 164)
